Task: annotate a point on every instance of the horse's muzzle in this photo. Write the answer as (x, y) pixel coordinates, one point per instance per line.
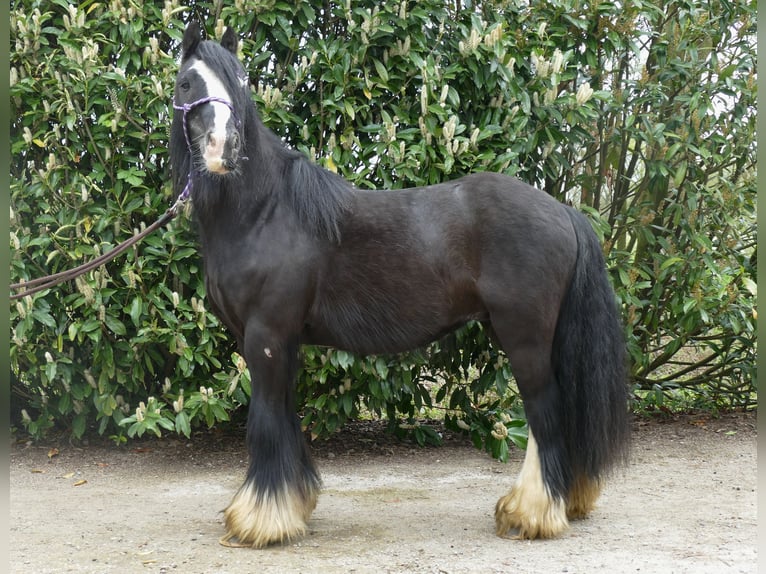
(221, 151)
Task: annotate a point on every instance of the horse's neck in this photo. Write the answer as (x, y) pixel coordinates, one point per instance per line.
(228, 204)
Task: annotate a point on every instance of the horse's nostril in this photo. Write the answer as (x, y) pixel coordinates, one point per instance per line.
(211, 139)
(235, 141)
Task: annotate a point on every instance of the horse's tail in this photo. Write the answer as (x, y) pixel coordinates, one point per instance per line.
(590, 365)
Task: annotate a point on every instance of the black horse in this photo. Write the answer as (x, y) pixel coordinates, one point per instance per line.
(295, 255)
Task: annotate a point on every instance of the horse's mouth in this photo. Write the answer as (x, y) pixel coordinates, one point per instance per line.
(220, 164)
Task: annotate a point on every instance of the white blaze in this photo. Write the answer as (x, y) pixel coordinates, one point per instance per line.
(213, 144)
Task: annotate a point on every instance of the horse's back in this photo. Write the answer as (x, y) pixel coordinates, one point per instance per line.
(481, 207)
(497, 226)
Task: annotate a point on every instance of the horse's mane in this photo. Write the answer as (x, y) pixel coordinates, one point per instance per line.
(318, 197)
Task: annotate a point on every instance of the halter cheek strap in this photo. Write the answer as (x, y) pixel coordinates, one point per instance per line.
(186, 108)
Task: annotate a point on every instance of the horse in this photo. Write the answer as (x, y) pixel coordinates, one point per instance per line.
(295, 255)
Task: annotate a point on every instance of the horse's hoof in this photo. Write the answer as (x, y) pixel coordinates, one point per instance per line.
(531, 521)
(256, 521)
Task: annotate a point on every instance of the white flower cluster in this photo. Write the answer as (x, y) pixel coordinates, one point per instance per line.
(499, 431)
(178, 405)
(142, 409)
(206, 394)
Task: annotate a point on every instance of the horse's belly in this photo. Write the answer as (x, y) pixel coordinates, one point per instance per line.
(389, 326)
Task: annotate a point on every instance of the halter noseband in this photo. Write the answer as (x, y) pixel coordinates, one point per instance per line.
(186, 108)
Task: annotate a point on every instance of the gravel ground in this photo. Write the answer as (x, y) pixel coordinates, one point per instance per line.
(687, 503)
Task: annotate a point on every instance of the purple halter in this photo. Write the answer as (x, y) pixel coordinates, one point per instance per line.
(186, 108)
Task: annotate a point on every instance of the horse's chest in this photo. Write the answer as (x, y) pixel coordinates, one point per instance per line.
(266, 280)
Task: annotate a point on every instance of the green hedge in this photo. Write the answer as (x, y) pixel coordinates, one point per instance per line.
(642, 115)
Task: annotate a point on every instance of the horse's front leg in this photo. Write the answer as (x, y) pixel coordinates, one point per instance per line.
(281, 488)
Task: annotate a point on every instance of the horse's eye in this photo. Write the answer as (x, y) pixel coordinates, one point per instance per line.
(185, 86)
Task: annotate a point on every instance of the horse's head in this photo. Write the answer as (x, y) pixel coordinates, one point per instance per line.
(210, 94)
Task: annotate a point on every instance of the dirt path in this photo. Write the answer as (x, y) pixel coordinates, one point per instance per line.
(686, 504)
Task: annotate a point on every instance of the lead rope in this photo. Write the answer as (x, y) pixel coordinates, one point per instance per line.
(42, 283)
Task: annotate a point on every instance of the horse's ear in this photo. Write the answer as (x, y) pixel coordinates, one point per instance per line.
(230, 41)
(192, 38)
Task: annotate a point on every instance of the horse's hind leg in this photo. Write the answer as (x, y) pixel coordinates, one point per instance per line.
(537, 503)
(281, 487)
(529, 507)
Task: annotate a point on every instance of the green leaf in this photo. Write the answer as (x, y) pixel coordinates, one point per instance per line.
(79, 425)
(135, 311)
(348, 403)
(670, 261)
(115, 325)
(381, 70)
(750, 285)
(680, 173)
(44, 317)
(350, 113)
(344, 359)
(381, 367)
(689, 304)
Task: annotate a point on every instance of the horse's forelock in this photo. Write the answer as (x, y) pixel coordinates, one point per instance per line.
(229, 70)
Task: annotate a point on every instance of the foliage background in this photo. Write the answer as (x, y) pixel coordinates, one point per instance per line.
(640, 113)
